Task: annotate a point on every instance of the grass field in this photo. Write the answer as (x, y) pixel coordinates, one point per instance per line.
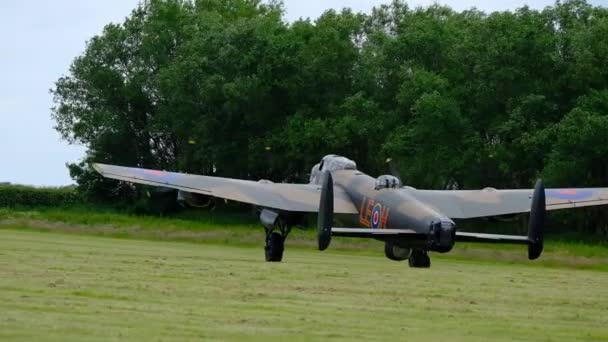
(86, 288)
(242, 229)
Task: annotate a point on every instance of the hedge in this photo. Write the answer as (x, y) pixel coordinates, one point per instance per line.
(25, 196)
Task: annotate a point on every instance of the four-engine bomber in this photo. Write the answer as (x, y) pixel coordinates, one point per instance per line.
(411, 222)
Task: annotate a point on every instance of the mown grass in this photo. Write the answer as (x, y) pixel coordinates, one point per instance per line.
(58, 287)
(242, 228)
(188, 220)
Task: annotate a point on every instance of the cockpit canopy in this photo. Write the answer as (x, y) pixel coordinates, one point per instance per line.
(387, 182)
(333, 162)
(330, 162)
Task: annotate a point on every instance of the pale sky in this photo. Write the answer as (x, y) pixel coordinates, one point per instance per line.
(38, 41)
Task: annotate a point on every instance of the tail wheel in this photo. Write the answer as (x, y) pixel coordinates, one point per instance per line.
(419, 259)
(275, 245)
(396, 253)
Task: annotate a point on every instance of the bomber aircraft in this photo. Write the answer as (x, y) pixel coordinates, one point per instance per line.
(409, 221)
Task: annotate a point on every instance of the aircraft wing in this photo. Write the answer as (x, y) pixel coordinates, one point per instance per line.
(462, 204)
(281, 196)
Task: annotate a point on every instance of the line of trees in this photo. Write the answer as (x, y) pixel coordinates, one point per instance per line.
(457, 99)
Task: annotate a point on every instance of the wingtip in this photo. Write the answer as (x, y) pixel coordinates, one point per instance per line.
(98, 167)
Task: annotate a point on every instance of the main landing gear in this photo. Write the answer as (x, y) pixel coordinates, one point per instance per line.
(419, 259)
(275, 242)
(277, 228)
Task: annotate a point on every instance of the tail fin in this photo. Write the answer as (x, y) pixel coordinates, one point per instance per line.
(536, 227)
(326, 212)
(537, 221)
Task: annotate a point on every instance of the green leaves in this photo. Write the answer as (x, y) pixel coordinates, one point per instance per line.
(23, 196)
(458, 100)
(434, 147)
(580, 153)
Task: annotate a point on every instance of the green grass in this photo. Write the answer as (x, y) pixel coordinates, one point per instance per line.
(59, 287)
(186, 220)
(242, 228)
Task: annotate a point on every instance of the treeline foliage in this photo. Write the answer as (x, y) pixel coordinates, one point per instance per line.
(25, 196)
(458, 99)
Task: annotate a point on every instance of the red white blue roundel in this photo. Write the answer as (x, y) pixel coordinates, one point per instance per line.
(569, 194)
(376, 216)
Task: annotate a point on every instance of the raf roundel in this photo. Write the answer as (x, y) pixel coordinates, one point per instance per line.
(570, 194)
(376, 216)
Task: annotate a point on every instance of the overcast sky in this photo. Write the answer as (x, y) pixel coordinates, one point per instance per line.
(38, 41)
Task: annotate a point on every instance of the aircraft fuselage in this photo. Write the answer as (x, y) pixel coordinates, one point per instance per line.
(395, 208)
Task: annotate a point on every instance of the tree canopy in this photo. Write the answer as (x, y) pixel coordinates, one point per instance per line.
(457, 99)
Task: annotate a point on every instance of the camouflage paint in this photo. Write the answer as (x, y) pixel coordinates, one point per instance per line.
(390, 208)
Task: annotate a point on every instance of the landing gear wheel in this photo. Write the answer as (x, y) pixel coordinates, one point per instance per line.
(419, 259)
(275, 245)
(396, 253)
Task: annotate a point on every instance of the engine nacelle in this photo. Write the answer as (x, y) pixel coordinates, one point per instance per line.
(395, 252)
(193, 200)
